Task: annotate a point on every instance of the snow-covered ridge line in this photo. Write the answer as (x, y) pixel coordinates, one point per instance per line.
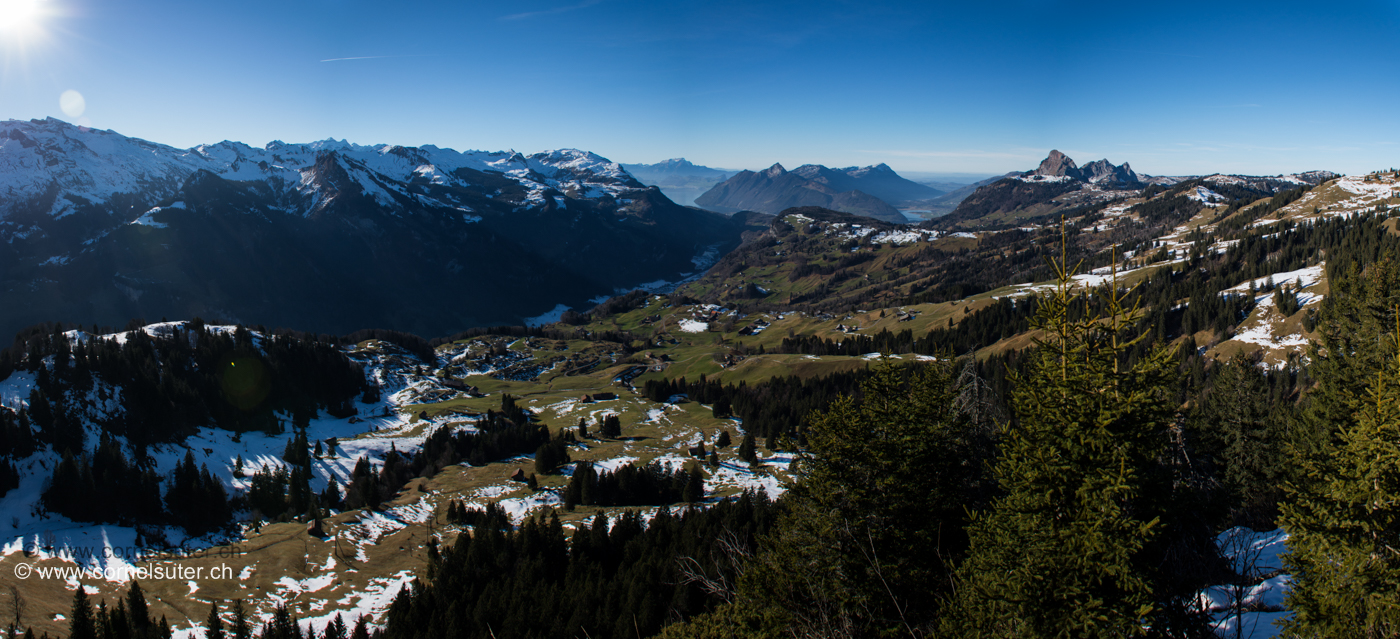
(95, 165)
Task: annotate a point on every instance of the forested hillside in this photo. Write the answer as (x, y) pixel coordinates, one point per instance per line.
(1165, 417)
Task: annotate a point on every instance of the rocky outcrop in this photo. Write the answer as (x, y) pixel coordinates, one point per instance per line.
(1058, 164)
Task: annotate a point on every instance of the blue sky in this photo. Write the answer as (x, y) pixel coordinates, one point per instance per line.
(1179, 88)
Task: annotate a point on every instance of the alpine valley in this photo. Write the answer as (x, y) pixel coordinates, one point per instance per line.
(328, 236)
(794, 416)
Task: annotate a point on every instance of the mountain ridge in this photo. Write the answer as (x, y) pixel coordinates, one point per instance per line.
(776, 189)
(1059, 186)
(879, 180)
(101, 227)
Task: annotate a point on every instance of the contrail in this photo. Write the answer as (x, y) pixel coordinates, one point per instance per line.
(376, 57)
(530, 14)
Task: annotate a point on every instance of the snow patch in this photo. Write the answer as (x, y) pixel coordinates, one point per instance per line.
(694, 326)
(548, 317)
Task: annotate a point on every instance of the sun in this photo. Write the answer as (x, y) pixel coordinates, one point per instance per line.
(18, 15)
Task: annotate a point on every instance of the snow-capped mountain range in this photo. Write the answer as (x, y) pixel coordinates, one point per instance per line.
(94, 166)
(328, 236)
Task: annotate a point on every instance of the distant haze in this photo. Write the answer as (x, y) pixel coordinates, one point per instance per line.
(963, 178)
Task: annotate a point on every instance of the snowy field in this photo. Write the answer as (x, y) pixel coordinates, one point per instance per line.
(1252, 606)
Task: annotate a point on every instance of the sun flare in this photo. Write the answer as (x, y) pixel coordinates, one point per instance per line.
(18, 15)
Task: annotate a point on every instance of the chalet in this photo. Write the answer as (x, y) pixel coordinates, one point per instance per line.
(519, 475)
(698, 451)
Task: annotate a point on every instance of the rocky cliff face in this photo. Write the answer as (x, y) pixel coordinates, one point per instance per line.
(1058, 164)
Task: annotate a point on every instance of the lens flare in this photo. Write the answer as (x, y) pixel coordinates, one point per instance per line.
(245, 382)
(72, 103)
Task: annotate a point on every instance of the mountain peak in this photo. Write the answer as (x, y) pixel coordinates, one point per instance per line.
(873, 191)
(1056, 164)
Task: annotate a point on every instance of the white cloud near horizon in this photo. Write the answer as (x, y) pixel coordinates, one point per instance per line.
(376, 57)
(994, 155)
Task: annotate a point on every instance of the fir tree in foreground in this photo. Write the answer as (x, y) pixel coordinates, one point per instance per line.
(1355, 318)
(1244, 433)
(1344, 522)
(1060, 552)
(865, 544)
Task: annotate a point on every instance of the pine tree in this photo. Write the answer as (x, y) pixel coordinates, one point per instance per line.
(876, 518)
(582, 486)
(1356, 315)
(213, 626)
(80, 621)
(748, 449)
(282, 625)
(1059, 553)
(1244, 434)
(335, 629)
(136, 607)
(121, 621)
(610, 427)
(550, 456)
(1344, 522)
(240, 627)
(103, 621)
(330, 496)
(694, 484)
(722, 408)
(361, 630)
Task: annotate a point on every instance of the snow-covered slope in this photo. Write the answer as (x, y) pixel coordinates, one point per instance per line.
(39, 158)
